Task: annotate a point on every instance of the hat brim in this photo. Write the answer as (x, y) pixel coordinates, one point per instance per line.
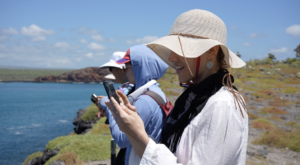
(193, 48)
(112, 64)
(122, 61)
(110, 76)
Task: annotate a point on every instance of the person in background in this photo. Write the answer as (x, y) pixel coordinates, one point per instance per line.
(209, 122)
(118, 75)
(142, 66)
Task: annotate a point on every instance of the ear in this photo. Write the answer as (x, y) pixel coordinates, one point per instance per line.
(213, 51)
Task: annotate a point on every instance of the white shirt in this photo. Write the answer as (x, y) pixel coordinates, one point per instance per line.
(217, 135)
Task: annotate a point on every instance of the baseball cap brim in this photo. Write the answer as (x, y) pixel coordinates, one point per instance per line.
(112, 64)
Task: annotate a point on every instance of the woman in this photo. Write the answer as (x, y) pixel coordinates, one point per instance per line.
(209, 122)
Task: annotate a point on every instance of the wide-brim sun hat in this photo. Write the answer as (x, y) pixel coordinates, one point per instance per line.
(112, 62)
(192, 34)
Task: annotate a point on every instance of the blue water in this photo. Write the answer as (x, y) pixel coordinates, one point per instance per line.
(32, 114)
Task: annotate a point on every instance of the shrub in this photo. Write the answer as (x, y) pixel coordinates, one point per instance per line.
(281, 139)
(294, 124)
(252, 116)
(275, 118)
(262, 124)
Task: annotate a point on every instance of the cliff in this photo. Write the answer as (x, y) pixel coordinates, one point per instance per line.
(89, 74)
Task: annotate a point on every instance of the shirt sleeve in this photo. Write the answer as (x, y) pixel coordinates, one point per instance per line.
(215, 139)
(119, 137)
(144, 109)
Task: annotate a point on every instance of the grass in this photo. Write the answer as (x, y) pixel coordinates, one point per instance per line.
(27, 74)
(92, 110)
(294, 124)
(298, 118)
(70, 158)
(275, 118)
(272, 110)
(32, 156)
(262, 124)
(85, 147)
(280, 139)
(100, 127)
(169, 93)
(252, 116)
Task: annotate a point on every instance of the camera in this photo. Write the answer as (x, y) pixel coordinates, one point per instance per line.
(110, 90)
(94, 98)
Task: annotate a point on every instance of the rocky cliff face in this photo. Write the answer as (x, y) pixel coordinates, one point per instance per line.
(90, 74)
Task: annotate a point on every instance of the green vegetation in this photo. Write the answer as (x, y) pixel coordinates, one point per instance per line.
(272, 110)
(294, 124)
(27, 74)
(92, 110)
(32, 156)
(281, 139)
(252, 116)
(275, 118)
(85, 147)
(101, 128)
(262, 124)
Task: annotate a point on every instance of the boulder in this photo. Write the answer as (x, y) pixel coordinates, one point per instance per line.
(82, 127)
(48, 154)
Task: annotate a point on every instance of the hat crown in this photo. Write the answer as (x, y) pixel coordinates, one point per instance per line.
(200, 23)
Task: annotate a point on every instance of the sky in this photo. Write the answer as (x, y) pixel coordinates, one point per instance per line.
(75, 34)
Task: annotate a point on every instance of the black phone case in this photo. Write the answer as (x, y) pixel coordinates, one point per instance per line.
(110, 90)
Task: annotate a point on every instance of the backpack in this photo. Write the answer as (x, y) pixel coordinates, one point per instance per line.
(166, 107)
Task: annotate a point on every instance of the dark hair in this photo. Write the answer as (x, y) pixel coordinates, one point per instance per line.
(110, 69)
(221, 58)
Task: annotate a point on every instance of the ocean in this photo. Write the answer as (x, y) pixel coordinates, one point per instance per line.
(32, 114)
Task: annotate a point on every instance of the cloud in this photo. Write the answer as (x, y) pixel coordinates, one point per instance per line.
(86, 31)
(89, 55)
(39, 38)
(233, 27)
(143, 40)
(256, 35)
(95, 46)
(279, 50)
(293, 30)
(97, 37)
(5, 38)
(9, 31)
(246, 44)
(83, 41)
(34, 30)
(62, 45)
(37, 33)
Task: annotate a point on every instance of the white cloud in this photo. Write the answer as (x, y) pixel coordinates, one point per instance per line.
(83, 41)
(143, 40)
(78, 59)
(97, 37)
(246, 44)
(279, 50)
(62, 45)
(34, 30)
(9, 31)
(233, 27)
(39, 38)
(89, 55)
(256, 35)
(88, 31)
(95, 46)
(293, 30)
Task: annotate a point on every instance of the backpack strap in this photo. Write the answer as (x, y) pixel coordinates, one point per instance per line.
(165, 106)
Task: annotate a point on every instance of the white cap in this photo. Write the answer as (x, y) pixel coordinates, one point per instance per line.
(112, 62)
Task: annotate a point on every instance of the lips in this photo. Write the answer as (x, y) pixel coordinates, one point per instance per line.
(178, 69)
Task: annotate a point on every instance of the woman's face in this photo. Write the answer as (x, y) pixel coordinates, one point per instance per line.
(182, 69)
(118, 75)
(129, 73)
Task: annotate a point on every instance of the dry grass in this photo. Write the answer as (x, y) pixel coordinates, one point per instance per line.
(281, 139)
(262, 124)
(252, 107)
(272, 110)
(70, 158)
(252, 116)
(275, 118)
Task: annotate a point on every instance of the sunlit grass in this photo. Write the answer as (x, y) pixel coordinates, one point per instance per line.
(32, 156)
(262, 124)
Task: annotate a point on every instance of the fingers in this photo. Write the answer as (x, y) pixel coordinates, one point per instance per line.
(132, 108)
(123, 97)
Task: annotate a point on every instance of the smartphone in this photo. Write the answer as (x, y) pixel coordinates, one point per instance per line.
(110, 90)
(94, 98)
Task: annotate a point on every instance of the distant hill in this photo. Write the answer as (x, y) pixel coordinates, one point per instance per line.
(86, 75)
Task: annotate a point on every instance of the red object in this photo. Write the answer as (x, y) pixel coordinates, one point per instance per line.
(125, 59)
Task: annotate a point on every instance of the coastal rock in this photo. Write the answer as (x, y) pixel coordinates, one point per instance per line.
(82, 126)
(48, 154)
(89, 74)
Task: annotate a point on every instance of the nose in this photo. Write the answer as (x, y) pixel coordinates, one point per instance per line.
(172, 57)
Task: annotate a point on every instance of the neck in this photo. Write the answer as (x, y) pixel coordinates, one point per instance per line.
(205, 74)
